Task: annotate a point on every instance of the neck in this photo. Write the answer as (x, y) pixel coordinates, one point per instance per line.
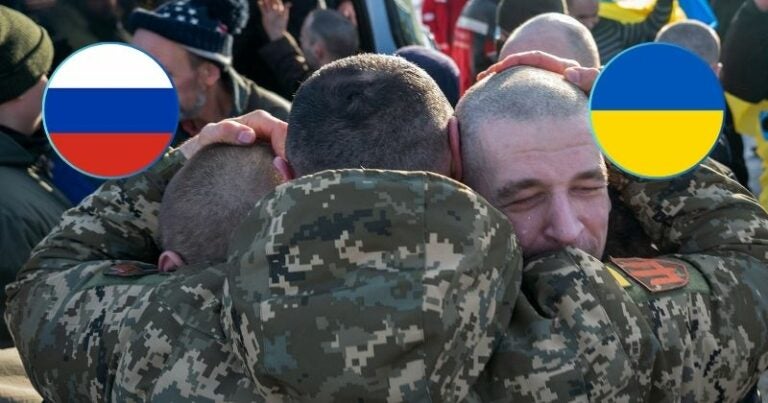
(220, 105)
(217, 108)
(14, 121)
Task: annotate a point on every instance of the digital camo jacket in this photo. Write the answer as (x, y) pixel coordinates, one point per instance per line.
(378, 323)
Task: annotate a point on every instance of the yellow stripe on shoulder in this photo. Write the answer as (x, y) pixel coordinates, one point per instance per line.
(623, 282)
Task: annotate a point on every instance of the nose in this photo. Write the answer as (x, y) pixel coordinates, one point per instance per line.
(564, 226)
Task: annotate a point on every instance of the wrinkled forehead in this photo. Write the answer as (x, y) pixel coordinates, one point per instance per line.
(551, 133)
(557, 147)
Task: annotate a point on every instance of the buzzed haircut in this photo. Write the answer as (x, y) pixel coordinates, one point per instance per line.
(337, 33)
(520, 94)
(695, 36)
(369, 111)
(557, 34)
(510, 14)
(210, 196)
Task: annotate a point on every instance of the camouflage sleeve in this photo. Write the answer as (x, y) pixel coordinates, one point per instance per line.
(584, 331)
(713, 331)
(174, 348)
(701, 211)
(64, 308)
(579, 335)
(575, 336)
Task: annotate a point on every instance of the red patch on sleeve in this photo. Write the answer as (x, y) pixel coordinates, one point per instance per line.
(128, 270)
(655, 275)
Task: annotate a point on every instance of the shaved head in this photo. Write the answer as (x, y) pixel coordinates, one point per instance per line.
(528, 149)
(695, 36)
(210, 196)
(521, 94)
(557, 34)
(510, 14)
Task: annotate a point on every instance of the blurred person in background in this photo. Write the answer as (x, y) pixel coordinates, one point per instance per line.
(192, 39)
(745, 81)
(30, 205)
(613, 36)
(510, 14)
(249, 62)
(557, 34)
(704, 42)
(473, 47)
(326, 35)
(440, 67)
(440, 17)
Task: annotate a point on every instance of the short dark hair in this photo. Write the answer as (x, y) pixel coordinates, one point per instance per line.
(210, 196)
(369, 111)
(510, 14)
(337, 32)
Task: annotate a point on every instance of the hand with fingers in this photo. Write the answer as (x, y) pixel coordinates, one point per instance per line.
(274, 17)
(242, 130)
(583, 77)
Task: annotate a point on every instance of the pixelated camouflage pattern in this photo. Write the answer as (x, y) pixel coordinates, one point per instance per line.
(576, 335)
(342, 286)
(573, 334)
(63, 311)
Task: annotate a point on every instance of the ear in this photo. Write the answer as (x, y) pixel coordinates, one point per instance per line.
(169, 261)
(318, 48)
(285, 169)
(454, 141)
(211, 73)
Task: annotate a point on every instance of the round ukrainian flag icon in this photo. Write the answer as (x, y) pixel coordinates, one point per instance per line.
(110, 110)
(657, 110)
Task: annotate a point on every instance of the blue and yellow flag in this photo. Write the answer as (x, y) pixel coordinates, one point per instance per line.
(657, 110)
(630, 11)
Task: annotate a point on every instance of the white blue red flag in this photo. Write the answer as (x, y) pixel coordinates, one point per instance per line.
(110, 110)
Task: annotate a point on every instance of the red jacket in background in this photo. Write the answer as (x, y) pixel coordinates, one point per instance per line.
(440, 17)
(473, 47)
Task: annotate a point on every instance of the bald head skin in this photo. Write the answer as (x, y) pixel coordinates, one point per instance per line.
(557, 34)
(528, 149)
(510, 14)
(695, 36)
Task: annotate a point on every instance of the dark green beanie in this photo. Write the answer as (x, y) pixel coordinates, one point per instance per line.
(26, 53)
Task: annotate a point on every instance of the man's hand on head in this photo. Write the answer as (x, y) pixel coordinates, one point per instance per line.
(274, 17)
(583, 77)
(242, 130)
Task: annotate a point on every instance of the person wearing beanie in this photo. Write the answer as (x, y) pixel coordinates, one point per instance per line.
(440, 67)
(29, 206)
(192, 39)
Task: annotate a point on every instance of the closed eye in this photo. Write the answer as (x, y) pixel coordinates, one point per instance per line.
(523, 203)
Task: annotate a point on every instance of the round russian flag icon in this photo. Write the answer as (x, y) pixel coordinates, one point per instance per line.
(657, 110)
(110, 110)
